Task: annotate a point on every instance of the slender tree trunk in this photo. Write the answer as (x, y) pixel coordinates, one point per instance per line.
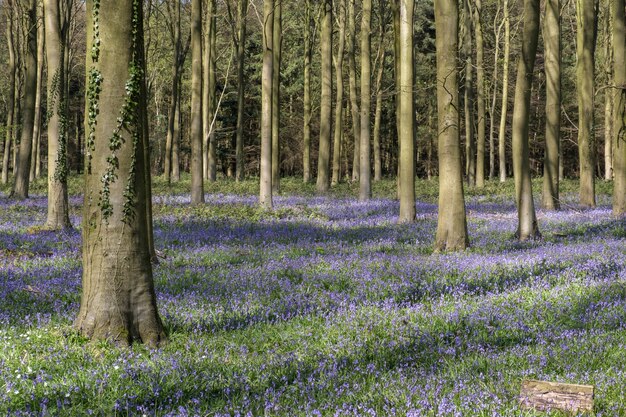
(585, 49)
(306, 154)
(505, 94)
(378, 167)
(175, 97)
(354, 94)
(35, 170)
(451, 220)
(619, 108)
(58, 206)
(265, 197)
(552, 45)
(527, 219)
(470, 138)
(608, 97)
(212, 100)
(480, 96)
(118, 300)
(20, 187)
(12, 70)
(326, 41)
(176, 138)
(276, 54)
(365, 177)
(494, 95)
(407, 140)
(197, 187)
(242, 12)
(338, 128)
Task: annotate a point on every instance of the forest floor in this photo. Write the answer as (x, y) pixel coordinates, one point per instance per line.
(324, 306)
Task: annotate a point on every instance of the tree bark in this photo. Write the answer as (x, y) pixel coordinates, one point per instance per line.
(451, 219)
(12, 71)
(35, 170)
(197, 186)
(338, 128)
(22, 174)
(242, 11)
(306, 132)
(470, 138)
(552, 45)
(208, 93)
(326, 41)
(58, 170)
(407, 162)
(118, 301)
(527, 220)
(480, 96)
(585, 49)
(619, 109)
(276, 56)
(365, 176)
(355, 113)
(505, 94)
(265, 197)
(608, 97)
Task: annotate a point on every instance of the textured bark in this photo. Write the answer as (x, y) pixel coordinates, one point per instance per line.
(208, 94)
(242, 11)
(265, 194)
(608, 97)
(306, 131)
(276, 56)
(365, 167)
(35, 170)
(22, 174)
(505, 94)
(527, 220)
(355, 113)
(407, 162)
(338, 127)
(12, 70)
(326, 41)
(197, 183)
(619, 106)
(118, 301)
(451, 219)
(552, 45)
(585, 49)
(55, 28)
(480, 95)
(470, 137)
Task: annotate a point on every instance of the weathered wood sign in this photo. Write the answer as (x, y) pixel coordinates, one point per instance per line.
(545, 396)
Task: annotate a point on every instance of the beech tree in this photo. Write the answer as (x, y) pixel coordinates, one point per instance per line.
(338, 127)
(277, 40)
(12, 72)
(306, 129)
(209, 64)
(451, 220)
(480, 94)
(355, 113)
(265, 193)
(470, 138)
(326, 41)
(118, 301)
(505, 94)
(197, 184)
(365, 170)
(619, 108)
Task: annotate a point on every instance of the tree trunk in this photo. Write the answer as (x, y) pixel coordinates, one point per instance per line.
(608, 96)
(378, 167)
(12, 70)
(265, 197)
(197, 187)
(338, 128)
(306, 139)
(365, 177)
(355, 113)
(242, 12)
(505, 94)
(552, 45)
(171, 137)
(451, 220)
(480, 96)
(276, 54)
(55, 28)
(176, 139)
(619, 108)
(35, 170)
(326, 41)
(494, 95)
(527, 219)
(20, 187)
(470, 138)
(208, 94)
(407, 140)
(118, 301)
(585, 49)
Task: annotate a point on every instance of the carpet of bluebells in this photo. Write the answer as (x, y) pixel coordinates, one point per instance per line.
(323, 307)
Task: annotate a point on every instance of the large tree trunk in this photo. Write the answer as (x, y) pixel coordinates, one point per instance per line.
(527, 220)
(451, 221)
(12, 71)
(585, 49)
(407, 140)
(242, 12)
(326, 41)
(20, 187)
(338, 128)
(118, 301)
(55, 28)
(505, 94)
(608, 97)
(619, 108)
(35, 170)
(265, 194)
(306, 131)
(355, 113)
(365, 176)
(480, 96)
(197, 186)
(552, 44)
(276, 54)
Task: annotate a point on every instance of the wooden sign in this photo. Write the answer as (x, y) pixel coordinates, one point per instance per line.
(546, 396)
